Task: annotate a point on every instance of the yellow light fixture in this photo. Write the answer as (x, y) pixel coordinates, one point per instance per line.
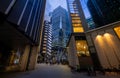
(84, 47)
(99, 36)
(78, 44)
(117, 30)
(107, 34)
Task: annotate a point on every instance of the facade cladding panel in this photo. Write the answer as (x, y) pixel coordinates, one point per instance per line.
(17, 11)
(4, 4)
(27, 16)
(35, 25)
(104, 11)
(29, 26)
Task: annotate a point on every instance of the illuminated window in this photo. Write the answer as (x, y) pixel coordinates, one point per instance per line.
(44, 51)
(74, 14)
(82, 48)
(78, 29)
(45, 39)
(44, 48)
(76, 25)
(76, 21)
(74, 18)
(117, 30)
(45, 42)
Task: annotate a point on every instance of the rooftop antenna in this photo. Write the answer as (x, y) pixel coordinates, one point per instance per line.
(60, 16)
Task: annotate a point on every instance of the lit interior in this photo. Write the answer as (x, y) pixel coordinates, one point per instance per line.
(75, 18)
(74, 14)
(82, 48)
(76, 21)
(78, 29)
(77, 25)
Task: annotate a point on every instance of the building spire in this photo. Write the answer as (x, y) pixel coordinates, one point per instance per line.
(60, 22)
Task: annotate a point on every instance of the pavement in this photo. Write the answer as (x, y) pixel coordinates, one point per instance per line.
(54, 71)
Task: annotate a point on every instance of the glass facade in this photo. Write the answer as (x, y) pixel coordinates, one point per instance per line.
(75, 18)
(59, 21)
(77, 27)
(78, 53)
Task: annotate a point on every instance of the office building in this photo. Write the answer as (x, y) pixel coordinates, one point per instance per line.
(46, 45)
(60, 30)
(104, 12)
(20, 31)
(60, 20)
(78, 53)
(45, 49)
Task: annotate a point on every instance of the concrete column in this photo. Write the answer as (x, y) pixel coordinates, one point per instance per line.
(33, 58)
(72, 53)
(24, 58)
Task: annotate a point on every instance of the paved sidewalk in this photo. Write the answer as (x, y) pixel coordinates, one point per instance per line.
(53, 71)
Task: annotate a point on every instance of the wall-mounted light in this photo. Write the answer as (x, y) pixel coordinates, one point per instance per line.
(107, 34)
(99, 36)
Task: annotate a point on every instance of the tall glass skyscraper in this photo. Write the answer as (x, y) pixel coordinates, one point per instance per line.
(60, 21)
(60, 30)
